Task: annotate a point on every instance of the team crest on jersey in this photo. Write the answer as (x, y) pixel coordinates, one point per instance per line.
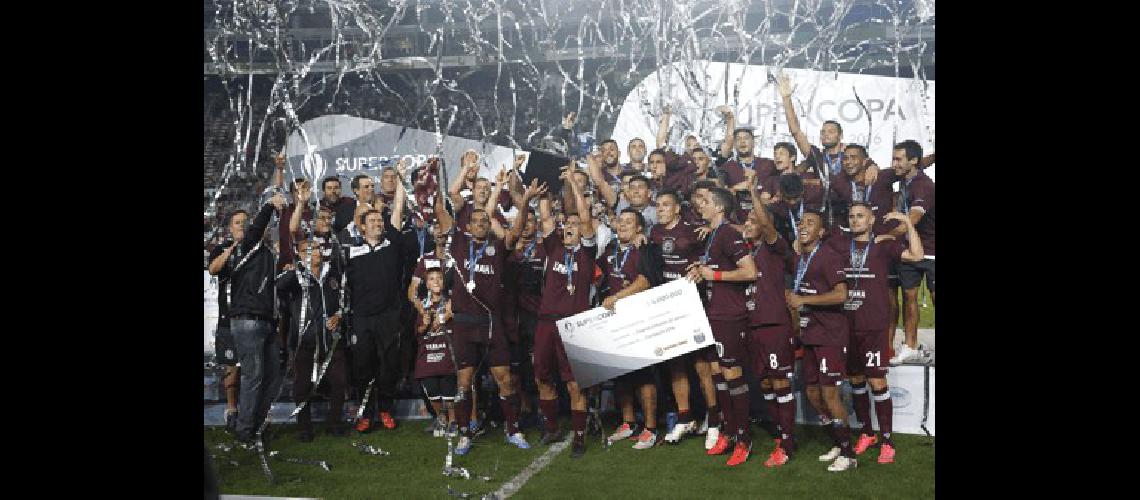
(699, 336)
(490, 250)
(668, 245)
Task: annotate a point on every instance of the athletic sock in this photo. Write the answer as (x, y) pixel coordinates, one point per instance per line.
(884, 411)
(738, 393)
(786, 409)
(862, 406)
(549, 411)
(684, 416)
(578, 423)
(722, 399)
(510, 405)
(842, 435)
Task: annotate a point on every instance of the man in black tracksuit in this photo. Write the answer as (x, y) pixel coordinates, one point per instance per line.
(251, 320)
(308, 293)
(374, 270)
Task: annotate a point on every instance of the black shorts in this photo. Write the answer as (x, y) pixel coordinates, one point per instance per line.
(439, 388)
(911, 273)
(224, 351)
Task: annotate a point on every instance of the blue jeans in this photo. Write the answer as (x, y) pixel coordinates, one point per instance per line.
(257, 352)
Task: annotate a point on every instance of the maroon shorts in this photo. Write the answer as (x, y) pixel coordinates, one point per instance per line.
(824, 364)
(867, 353)
(549, 354)
(770, 351)
(471, 341)
(733, 350)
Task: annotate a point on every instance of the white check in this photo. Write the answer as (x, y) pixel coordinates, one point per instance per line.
(645, 328)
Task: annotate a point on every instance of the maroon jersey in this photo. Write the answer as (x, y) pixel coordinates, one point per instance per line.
(919, 192)
(745, 203)
(721, 253)
(557, 301)
(433, 357)
(879, 195)
(765, 297)
(821, 325)
(425, 262)
(680, 173)
(488, 258)
(734, 172)
(690, 214)
(619, 266)
(464, 214)
(867, 288)
(527, 264)
(680, 247)
(286, 254)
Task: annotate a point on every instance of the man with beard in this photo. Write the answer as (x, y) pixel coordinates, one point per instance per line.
(680, 247)
(916, 200)
(478, 261)
(868, 293)
(568, 273)
(727, 266)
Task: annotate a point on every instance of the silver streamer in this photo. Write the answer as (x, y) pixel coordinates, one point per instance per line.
(452, 66)
(367, 449)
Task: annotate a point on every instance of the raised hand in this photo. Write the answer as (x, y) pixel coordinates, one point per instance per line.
(785, 84)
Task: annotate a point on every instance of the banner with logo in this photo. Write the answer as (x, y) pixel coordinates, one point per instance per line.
(874, 111)
(645, 328)
(346, 146)
(907, 390)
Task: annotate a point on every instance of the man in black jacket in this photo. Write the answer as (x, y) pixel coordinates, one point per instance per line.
(374, 271)
(251, 319)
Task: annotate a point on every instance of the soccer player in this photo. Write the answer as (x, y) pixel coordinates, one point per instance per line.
(636, 150)
(868, 293)
(681, 247)
(818, 292)
(770, 341)
(727, 266)
(434, 367)
(478, 260)
(569, 271)
(916, 200)
(627, 270)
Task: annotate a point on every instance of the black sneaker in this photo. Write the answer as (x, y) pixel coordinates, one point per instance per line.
(578, 448)
(244, 438)
(305, 435)
(231, 421)
(551, 437)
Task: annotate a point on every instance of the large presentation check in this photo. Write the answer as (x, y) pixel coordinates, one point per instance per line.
(645, 328)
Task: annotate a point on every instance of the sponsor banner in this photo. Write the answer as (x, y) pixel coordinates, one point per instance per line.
(899, 108)
(347, 146)
(646, 328)
(906, 384)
